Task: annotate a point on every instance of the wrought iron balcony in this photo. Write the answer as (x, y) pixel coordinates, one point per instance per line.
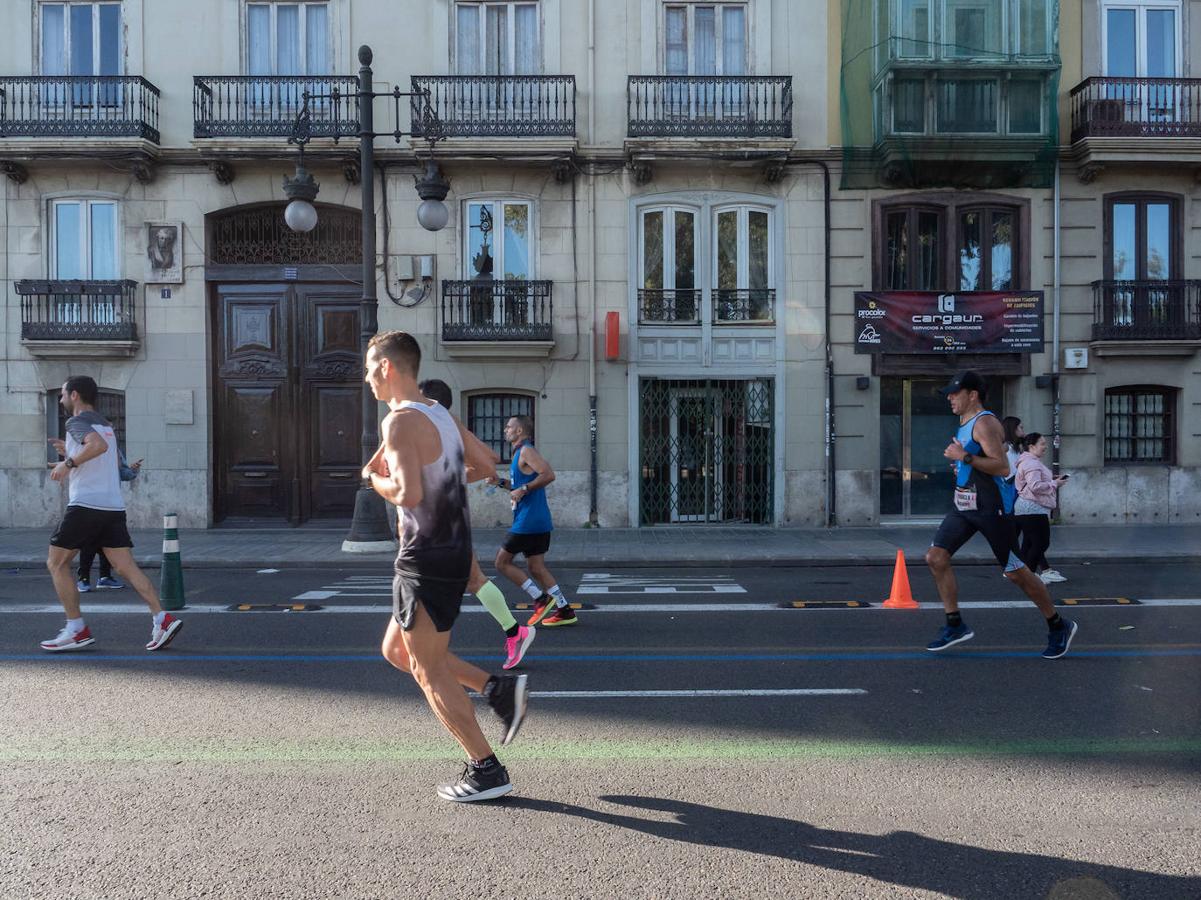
(753, 306)
(79, 106)
(240, 106)
(487, 310)
(1146, 310)
(498, 105)
(669, 307)
(78, 310)
(709, 106)
(1136, 107)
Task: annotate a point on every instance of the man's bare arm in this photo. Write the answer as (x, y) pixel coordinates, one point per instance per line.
(991, 435)
(536, 463)
(402, 485)
(478, 457)
(93, 445)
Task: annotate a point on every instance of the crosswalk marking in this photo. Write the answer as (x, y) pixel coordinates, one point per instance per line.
(605, 583)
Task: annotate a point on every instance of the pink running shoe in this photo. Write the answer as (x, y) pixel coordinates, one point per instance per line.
(516, 646)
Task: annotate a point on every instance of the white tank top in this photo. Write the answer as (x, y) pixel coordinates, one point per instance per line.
(96, 483)
(435, 535)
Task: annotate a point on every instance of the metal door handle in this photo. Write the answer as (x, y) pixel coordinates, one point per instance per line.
(254, 474)
(341, 474)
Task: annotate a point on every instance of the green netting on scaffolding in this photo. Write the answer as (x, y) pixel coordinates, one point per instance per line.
(949, 93)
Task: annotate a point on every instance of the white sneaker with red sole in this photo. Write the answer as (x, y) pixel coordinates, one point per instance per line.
(68, 640)
(163, 634)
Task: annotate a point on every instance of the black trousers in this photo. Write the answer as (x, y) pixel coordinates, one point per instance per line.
(1035, 532)
(86, 555)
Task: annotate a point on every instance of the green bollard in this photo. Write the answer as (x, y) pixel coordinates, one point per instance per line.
(170, 589)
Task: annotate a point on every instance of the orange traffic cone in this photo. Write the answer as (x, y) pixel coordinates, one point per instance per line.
(900, 596)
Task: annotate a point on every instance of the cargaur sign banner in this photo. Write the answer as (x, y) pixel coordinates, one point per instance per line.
(933, 322)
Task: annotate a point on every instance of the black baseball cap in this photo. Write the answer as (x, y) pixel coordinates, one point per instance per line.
(965, 381)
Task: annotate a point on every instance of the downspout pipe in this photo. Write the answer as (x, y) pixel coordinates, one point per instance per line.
(1055, 307)
(831, 433)
(593, 514)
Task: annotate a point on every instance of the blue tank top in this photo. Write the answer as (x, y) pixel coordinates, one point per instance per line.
(994, 494)
(532, 514)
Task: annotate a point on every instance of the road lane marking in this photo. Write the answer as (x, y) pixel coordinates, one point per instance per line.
(181, 655)
(351, 749)
(795, 692)
(616, 608)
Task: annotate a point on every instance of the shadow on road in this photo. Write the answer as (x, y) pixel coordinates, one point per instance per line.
(900, 857)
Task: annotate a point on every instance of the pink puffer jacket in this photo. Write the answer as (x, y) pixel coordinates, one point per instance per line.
(1035, 482)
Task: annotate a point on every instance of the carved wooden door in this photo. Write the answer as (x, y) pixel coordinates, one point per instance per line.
(287, 410)
(331, 391)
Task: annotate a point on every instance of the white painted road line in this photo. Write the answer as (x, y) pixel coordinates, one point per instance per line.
(614, 608)
(797, 692)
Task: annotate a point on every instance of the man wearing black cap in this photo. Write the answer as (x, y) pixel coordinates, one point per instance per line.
(983, 503)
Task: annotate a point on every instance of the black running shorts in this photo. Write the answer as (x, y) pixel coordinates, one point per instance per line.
(441, 598)
(999, 530)
(83, 526)
(529, 544)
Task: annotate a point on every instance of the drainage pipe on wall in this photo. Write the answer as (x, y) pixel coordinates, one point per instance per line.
(593, 516)
(1055, 291)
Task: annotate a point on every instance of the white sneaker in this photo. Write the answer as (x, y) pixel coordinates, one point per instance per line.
(1050, 576)
(163, 634)
(69, 640)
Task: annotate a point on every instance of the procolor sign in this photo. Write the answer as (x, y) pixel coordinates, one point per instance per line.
(932, 322)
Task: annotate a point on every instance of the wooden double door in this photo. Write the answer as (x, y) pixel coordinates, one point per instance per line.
(287, 380)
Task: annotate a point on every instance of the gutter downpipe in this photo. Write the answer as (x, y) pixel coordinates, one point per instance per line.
(1055, 292)
(593, 516)
(831, 493)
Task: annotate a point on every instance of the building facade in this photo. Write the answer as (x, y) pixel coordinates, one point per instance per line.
(660, 214)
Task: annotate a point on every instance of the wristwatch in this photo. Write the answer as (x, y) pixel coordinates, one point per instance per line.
(967, 459)
(70, 463)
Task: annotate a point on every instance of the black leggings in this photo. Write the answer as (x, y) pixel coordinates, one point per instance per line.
(86, 555)
(1036, 538)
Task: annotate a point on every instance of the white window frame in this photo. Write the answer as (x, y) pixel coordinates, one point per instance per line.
(85, 233)
(330, 61)
(68, 37)
(498, 205)
(1140, 9)
(742, 275)
(718, 29)
(510, 39)
(669, 244)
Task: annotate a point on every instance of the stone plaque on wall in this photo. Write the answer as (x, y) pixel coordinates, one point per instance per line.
(177, 407)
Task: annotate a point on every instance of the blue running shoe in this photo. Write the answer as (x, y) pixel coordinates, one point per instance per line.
(1059, 641)
(950, 636)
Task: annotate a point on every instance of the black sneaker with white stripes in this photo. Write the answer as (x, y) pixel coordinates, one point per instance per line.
(507, 695)
(486, 782)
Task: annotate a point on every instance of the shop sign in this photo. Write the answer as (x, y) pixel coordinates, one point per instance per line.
(933, 322)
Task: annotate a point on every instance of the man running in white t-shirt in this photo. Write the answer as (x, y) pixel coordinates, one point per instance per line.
(95, 517)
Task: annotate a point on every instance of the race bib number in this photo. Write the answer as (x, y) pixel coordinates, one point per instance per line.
(965, 499)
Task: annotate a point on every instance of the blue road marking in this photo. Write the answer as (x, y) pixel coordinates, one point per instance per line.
(901, 656)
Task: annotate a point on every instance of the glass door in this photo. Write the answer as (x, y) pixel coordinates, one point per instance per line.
(916, 424)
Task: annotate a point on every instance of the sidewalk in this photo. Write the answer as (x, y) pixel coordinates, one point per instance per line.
(600, 548)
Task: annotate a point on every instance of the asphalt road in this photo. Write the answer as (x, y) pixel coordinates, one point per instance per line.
(272, 753)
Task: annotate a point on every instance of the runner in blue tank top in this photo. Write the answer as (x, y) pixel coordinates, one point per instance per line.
(983, 502)
(529, 474)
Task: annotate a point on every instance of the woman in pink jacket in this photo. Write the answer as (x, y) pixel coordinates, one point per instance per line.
(1038, 495)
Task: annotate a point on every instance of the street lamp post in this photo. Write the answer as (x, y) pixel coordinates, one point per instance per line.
(369, 530)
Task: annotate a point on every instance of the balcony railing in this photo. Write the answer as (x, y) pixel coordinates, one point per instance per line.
(267, 105)
(1146, 310)
(79, 106)
(756, 306)
(1136, 107)
(709, 106)
(669, 307)
(486, 310)
(499, 105)
(78, 310)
